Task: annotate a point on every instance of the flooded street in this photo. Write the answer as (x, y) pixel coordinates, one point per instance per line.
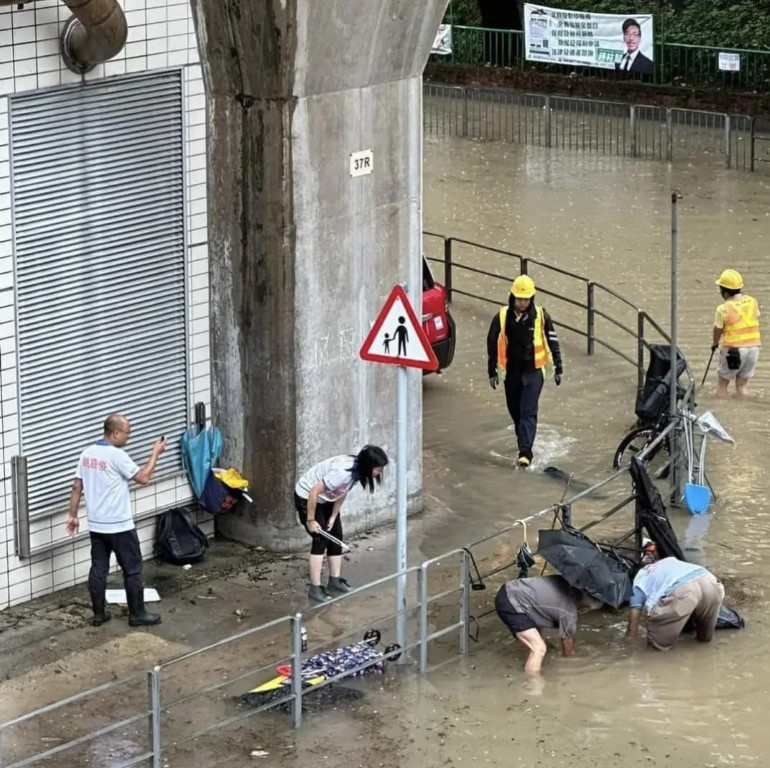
(616, 703)
(607, 219)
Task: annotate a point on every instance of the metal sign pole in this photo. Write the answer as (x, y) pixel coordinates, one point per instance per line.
(675, 196)
(408, 346)
(402, 403)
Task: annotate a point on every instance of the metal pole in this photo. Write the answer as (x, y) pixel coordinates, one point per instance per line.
(465, 604)
(155, 717)
(728, 143)
(296, 669)
(591, 319)
(21, 531)
(675, 196)
(640, 350)
(448, 267)
(422, 586)
(402, 403)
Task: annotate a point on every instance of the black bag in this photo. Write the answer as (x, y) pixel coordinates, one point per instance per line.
(178, 539)
(733, 358)
(654, 396)
(218, 497)
(729, 618)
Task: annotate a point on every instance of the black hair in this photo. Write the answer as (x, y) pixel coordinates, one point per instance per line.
(631, 23)
(369, 458)
(728, 293)
(512, 301)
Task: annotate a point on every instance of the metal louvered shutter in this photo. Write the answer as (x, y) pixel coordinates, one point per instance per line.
(99, 247)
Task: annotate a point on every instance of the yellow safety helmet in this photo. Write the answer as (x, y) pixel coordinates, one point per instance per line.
(523, 287)
(730, 279)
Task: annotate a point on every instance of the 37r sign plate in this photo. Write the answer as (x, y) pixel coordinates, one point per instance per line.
(361, 163)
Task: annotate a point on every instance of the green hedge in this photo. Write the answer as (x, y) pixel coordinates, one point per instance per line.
(732, 24)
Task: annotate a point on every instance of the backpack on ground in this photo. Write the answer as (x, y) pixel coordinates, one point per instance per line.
(178, 539)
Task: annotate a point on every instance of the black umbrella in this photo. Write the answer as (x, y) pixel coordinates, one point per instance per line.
(585, 565)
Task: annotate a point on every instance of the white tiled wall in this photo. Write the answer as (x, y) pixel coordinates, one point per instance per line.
(161, 35)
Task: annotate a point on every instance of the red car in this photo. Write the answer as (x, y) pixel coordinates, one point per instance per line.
(438, 324)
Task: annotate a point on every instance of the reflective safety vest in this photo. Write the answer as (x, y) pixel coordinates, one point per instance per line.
(543, 354)
(741, 323)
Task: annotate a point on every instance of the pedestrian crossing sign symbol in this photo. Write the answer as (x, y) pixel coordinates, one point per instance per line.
(397, 336)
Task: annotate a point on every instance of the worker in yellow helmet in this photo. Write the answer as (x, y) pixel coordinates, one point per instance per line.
(737, 325)
(520, 344)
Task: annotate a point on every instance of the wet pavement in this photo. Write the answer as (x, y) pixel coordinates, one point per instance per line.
(606, 218)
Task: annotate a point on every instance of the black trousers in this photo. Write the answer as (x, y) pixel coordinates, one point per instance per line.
(522, 396)
(128, 553)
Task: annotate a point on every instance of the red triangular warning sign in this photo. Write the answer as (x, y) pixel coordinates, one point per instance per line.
(397, 337)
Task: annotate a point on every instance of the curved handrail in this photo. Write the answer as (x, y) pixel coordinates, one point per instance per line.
(643, 318)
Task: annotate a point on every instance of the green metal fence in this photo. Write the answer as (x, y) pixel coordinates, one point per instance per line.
(675, 63)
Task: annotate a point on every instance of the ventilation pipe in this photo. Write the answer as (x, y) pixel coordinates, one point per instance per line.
(96, 31)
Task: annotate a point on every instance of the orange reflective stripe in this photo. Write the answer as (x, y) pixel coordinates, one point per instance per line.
(502, 346)
(542, 350)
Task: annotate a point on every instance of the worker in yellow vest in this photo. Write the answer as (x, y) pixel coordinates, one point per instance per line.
(521, 343)
(737, 325)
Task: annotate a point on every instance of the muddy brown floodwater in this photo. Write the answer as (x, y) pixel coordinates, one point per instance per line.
(616, 703)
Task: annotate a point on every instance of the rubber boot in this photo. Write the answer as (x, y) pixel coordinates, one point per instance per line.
(318, 594)
(137, 616)
(101, 614)
(338, 584)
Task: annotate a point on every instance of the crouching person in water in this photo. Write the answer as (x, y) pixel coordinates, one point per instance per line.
(318, 497)
(671, 592)
(528, 606)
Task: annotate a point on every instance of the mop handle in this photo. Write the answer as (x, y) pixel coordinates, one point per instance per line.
(334, 540)
(708, 366)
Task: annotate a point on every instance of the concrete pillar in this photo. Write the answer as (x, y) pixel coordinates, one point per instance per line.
(303, 254)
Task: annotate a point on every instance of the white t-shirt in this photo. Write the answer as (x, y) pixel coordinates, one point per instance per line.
(106, 471)
(335, 473)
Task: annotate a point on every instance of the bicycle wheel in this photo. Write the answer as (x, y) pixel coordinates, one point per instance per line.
(634, 442)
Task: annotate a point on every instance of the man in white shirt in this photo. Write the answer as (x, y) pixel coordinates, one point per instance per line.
(104, 473)
(633, 59)
(671, 592)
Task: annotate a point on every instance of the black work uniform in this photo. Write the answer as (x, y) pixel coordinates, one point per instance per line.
(523, 382)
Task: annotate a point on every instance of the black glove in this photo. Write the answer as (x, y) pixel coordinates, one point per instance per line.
(494, 381)
(714, 347)
(557, 376)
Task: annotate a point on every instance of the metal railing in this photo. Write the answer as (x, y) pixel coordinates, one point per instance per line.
(675, 64)
(598, 302)
(586, 125)
(163, 733)
(52, 727)
(157, 706)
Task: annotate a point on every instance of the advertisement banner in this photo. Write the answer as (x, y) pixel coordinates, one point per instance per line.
(442, 45)
(576, 38)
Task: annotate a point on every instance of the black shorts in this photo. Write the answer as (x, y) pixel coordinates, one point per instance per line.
(323, 511)
(516, 622)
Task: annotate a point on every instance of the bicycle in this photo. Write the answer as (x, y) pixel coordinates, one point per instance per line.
(644, 434)
(653, 443)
